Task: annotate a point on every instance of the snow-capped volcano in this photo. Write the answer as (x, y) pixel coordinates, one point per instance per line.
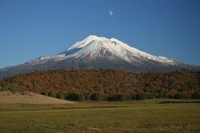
(99, 52)
(93, 46)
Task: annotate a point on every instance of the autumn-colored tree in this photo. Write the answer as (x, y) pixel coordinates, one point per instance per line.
(109, 84)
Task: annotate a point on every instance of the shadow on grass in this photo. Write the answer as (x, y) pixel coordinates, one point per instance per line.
(168, 102)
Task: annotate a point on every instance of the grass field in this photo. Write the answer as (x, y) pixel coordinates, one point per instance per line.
(101, 117)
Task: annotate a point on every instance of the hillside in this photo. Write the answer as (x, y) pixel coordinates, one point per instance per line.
(108, 84)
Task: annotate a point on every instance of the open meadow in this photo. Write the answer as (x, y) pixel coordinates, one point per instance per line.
(147, 116)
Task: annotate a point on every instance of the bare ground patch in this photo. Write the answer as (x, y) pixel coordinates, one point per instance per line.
(7, 97)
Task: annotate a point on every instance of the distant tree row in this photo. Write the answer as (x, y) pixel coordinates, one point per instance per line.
(111, 84)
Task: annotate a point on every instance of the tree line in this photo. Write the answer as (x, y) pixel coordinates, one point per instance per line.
(111, 84)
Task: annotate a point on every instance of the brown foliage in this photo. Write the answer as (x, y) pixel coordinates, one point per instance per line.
(111, 83)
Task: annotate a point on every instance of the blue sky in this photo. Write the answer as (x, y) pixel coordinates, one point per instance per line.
(33, 28)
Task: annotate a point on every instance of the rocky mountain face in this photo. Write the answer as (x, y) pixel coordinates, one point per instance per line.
(99, 53)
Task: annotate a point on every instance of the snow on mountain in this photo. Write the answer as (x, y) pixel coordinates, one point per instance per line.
(44, 59)
(94, 46)
(137, 53)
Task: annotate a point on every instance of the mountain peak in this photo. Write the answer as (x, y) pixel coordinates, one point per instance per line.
(92, 36)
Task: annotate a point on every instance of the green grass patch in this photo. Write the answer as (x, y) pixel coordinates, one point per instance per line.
(106, 117)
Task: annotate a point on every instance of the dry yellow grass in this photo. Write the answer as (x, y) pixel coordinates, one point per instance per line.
(7, 97)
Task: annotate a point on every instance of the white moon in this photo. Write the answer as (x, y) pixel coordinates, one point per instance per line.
(110, 13)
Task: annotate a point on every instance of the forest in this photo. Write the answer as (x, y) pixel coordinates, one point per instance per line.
(110, 84)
